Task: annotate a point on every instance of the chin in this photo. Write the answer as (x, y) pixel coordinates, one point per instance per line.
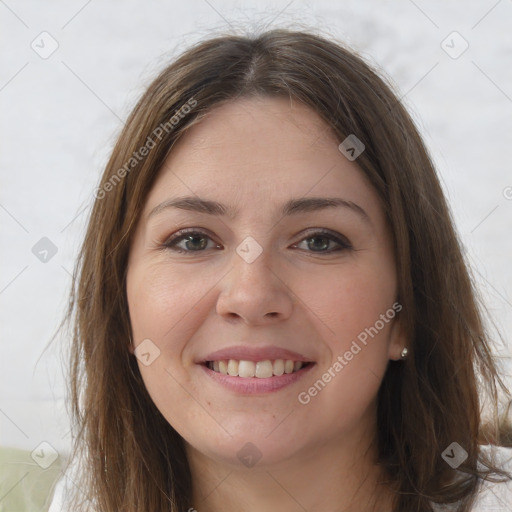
(247, 450)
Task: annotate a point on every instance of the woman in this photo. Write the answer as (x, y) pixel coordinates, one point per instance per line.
(223, 358)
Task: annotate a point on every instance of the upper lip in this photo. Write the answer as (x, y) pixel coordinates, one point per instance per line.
(247, 353)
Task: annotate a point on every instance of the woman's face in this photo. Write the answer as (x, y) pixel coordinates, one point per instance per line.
(261, 276)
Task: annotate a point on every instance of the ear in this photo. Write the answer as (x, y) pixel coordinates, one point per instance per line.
(397, 339)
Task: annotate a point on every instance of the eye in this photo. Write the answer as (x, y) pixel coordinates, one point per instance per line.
(195, 240)
(320, 240)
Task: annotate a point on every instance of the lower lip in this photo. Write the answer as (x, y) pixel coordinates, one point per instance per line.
(255, 385)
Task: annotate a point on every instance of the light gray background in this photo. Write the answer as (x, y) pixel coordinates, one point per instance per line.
(60, 117)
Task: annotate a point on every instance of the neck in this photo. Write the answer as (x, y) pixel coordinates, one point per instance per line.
(340, 475)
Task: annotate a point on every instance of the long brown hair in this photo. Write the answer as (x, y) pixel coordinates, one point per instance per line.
(128, 455)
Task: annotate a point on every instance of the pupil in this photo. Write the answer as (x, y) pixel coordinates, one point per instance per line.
(191, 239)
(320, 246)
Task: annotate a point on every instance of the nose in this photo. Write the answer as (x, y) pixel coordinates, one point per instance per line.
(254, 292)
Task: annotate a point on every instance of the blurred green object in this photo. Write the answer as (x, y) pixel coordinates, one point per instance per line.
(24, 485)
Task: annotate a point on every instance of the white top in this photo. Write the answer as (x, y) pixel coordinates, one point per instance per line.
(493, 497)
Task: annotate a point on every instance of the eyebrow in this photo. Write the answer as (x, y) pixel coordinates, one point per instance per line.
(291, 207)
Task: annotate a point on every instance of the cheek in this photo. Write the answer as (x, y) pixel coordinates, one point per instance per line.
(352, 305)
(161, 304)
(347, 301)
(160, 299)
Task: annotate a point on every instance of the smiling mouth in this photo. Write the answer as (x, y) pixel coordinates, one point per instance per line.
(256, 369)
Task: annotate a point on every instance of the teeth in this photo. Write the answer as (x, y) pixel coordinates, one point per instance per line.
(264, 369)
(288, 366)
(233, 368)
(223, 367)
(278, 367)
(246, 369)
(259, 369)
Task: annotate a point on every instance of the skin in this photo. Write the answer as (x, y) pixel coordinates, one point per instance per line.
(253, 155)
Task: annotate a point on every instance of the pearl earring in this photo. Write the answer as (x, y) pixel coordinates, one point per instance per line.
(404, 352)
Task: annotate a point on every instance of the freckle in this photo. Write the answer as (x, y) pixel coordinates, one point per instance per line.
(209, 403)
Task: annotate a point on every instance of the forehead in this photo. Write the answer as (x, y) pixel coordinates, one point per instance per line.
(254, 152)
(273, 128)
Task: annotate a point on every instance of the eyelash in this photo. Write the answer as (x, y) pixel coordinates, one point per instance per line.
(182, 234)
